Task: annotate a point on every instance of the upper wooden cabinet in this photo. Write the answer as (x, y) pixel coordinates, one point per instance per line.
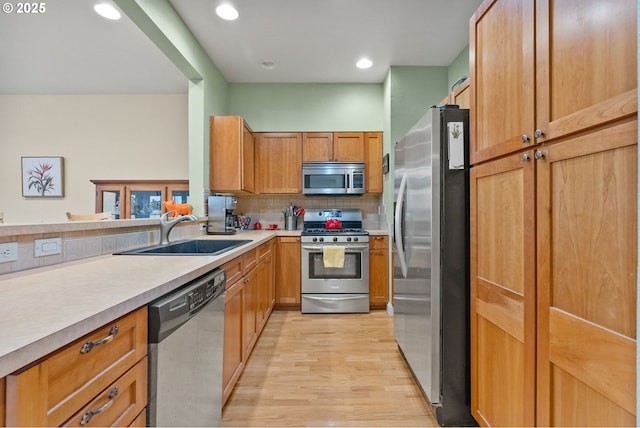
(544, 69)
(373, 156)
(231, 154)
(317, 146)
(333, 147)
(348, 147)
(138, 198)
(279, 162)
(460, 95)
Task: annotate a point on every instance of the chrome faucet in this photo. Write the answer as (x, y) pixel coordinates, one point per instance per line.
(166, 225)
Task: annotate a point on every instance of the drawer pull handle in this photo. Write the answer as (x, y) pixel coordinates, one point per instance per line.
(87, 347)
(86, 418)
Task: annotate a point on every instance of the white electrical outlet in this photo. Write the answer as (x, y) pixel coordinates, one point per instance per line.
(47, 247)
(9, 252)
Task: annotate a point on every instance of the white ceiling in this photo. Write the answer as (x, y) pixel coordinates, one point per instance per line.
(70, 49)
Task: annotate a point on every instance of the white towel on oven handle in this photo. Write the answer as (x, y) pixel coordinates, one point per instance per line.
(333, 256)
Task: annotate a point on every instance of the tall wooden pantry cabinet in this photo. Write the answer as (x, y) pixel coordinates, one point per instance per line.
(554, 188)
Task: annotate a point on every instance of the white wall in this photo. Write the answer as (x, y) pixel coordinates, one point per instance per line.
(99, 136)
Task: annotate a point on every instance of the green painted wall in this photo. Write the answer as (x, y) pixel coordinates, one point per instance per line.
(413, 91)
(282, 107)
(459, 67)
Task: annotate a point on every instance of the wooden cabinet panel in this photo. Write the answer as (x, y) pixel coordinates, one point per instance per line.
(249, 309)
(348, 147)
(231, 155)
(501, 78)
(373, 155)
(233, 347)
(288, 272)
(336, 147)
(462, 95)
(49, 392)
(587, 190)
(121, 402)
(250, 260)
(503, 292)
(378, 271)
(279, 162)
(317, 146)
(586, 68)
(234, 269)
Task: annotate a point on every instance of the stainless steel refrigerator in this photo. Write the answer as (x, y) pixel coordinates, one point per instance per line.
(431, 268)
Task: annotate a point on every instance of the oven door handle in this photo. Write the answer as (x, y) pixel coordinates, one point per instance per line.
(359, 248)
(332, 298)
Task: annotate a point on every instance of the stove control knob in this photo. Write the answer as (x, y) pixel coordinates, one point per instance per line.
(349, 239)
(315, 239)
(335, 239)
(321, 239)
(355, 239)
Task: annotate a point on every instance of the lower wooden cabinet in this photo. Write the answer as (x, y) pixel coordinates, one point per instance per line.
(248, 304)
(378, 271)
(119, 404)
(288, 272)
(76, 378)
(232, 360)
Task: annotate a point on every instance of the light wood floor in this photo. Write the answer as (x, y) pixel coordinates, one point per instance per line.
(327, 370)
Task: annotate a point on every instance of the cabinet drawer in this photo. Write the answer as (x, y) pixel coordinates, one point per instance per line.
(119, 404)
(378, 242)
(49, 392)
(234, 270)
(250, 260)
(264, 250)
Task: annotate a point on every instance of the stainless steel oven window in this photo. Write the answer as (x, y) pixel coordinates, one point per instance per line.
(352, 267)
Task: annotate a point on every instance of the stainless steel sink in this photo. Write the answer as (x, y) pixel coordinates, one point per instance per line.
(194, 247)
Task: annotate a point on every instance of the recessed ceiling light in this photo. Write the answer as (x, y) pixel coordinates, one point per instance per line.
(269, 65)
(227, 12)
(364, 63)
(107, 11)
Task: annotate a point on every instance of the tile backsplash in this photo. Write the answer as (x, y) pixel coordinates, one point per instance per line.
(267, 209)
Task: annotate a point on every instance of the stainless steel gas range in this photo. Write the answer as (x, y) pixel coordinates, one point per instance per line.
(327, 287)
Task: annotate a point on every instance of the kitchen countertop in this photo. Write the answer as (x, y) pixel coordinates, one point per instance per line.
(46, 308)
(49, 307)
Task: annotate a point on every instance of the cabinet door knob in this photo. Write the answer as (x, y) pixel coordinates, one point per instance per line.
(524, 138)
(538, 133)
(538, 155)
(525, 157)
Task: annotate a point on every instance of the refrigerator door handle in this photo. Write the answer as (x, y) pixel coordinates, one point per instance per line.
(399, 222)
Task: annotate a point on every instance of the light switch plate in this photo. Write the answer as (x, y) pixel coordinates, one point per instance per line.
(8, 252)
(47, 247)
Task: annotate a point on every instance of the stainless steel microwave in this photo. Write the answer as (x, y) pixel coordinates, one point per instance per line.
(333, 178)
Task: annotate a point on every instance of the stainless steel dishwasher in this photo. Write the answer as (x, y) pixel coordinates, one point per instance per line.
(186, 336)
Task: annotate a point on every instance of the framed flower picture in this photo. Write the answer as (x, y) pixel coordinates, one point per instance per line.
(42, 177)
